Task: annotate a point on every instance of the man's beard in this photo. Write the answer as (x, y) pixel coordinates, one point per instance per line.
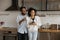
(23, 13)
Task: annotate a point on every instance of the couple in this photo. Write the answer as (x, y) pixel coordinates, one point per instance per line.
(28, 24)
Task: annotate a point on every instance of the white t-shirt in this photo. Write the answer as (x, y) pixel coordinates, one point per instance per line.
(22, 27)
(37, 20)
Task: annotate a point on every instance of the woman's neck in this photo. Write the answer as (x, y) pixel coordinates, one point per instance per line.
(32, 17)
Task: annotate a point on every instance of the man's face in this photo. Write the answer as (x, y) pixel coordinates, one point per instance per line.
(23, 11)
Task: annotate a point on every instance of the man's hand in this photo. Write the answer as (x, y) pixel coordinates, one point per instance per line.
(22, 21)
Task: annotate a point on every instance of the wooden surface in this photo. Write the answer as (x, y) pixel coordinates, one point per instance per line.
(5, 29)
(48, 30)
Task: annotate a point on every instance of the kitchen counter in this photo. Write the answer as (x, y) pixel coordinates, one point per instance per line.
(7, 33)
(8, 30)
(52, 34)
(48, 30)
(14, 30)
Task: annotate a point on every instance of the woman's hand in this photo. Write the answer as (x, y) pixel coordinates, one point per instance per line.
(32, 23)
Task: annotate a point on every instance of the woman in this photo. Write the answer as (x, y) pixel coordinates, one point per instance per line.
(33, 23)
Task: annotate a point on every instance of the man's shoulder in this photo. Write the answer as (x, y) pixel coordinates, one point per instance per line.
(27, 17)
(19, 16)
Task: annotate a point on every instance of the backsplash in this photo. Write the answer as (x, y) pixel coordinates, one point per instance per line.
(9, 17)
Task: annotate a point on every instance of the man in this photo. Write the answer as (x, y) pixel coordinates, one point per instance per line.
(22, 25)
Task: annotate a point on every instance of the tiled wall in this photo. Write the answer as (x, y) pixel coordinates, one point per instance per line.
(9, 17)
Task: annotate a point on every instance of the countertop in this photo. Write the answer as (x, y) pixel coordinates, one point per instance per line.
(14, 30)
(48, 30)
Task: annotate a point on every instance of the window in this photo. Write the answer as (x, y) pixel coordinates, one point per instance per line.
(43, 5)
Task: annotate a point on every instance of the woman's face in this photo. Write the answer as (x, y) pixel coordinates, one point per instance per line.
(32, 13)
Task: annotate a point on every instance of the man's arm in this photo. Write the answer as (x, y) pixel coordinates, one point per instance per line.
(22, 21)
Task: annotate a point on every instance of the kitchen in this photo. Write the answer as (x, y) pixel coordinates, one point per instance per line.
(8, 25)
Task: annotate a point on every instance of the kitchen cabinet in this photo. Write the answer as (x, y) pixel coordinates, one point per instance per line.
(7, 33)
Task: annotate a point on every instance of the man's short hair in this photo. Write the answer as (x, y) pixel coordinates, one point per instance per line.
(22, 8)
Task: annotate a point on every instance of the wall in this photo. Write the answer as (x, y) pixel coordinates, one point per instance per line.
(9, 17)
(4, 4)
(52, 17)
